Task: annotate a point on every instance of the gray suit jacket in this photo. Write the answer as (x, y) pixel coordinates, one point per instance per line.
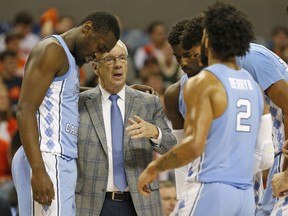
(93, 157)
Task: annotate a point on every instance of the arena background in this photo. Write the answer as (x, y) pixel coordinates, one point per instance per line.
(265, 14)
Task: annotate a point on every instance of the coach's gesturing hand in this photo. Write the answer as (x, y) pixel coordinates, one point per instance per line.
(141, 129)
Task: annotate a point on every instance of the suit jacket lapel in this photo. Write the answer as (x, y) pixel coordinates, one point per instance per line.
(132, 107)
(94, 107)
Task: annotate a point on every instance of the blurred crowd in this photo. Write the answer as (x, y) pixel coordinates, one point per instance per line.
(151, 62)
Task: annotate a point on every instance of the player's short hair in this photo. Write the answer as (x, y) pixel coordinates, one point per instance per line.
(229, 31)
(103, 22)
(192, 33)
(176, 32)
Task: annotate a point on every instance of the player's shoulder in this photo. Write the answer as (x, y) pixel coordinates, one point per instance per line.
(201, 85)
(48, 46)
(200, 80)
(172, 91)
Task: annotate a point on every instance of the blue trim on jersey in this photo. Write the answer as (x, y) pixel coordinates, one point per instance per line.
(60, 117)
(57, 184)
(39, 131)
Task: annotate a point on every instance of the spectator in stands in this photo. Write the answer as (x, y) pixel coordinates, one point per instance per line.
(9, 61)
(168, 196)
(279, 40)
(23, 24)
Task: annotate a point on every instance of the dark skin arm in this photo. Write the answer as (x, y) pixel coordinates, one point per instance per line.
(144, 88)
(278, 94)
(207, 102)
(171, 97)
(41, 68)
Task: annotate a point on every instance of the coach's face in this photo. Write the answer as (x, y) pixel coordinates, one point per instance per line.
(111, 68)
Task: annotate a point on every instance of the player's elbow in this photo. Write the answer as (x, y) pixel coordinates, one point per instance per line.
(196, 151)
(23, 112)
(19, 113)
(191, 149)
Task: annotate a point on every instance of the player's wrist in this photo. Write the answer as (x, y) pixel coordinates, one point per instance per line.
(38, 169)
(152, 168)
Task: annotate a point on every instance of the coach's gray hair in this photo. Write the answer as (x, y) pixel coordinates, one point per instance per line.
(120, 43)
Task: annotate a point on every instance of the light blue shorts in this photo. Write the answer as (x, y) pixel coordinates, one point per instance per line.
(217, 199)
(63, 174)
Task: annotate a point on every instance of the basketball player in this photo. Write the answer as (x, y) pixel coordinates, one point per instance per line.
(189, 61)
(44, 169)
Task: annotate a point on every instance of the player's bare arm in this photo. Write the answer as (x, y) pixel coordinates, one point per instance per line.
(45, 62)
(171, 100)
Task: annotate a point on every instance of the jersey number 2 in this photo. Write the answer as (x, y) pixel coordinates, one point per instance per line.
(242, 115)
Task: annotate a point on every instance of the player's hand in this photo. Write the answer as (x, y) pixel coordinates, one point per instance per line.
(84, 88)
(141, 129)
(146, 177)
(280, 184)
(42, 187)
(144, 88)
(285, 149)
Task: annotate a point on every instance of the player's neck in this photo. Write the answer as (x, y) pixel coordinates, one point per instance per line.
(229, 62)
(69, 38)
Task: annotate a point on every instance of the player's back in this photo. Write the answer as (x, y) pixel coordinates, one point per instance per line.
(229, 150)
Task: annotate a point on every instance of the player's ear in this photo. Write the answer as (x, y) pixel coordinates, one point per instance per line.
(205, 38)
(87, 27)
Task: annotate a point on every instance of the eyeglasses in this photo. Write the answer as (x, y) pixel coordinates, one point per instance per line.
(111, 60)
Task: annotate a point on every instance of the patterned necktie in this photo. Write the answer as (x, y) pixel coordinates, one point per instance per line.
(117, 132)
